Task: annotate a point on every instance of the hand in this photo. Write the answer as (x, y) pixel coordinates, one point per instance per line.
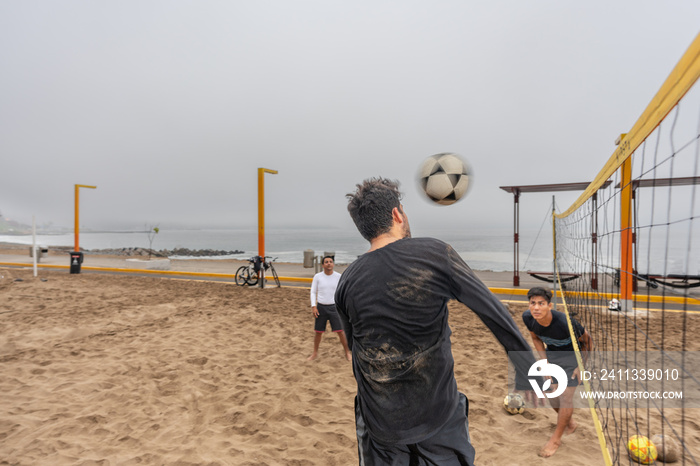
(576, 375)
(315, 311)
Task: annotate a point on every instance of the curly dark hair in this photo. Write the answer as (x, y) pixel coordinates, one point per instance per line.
(371, 206)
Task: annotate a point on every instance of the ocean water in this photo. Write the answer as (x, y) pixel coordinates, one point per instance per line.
(482, 250)
(485, 250)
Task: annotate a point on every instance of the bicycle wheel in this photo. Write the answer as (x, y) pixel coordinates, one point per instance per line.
(242, 275)
(274, 274)
(252, 276)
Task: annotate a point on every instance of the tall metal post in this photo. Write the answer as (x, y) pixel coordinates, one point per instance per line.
(626, 255)
(594, 242)
(77, 214)
(34, 258)
(635, 248)
(261, 221)
(554, 256)
(516, 238)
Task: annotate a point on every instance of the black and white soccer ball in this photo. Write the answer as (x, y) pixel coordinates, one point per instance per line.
(444, 178)
(514, 403)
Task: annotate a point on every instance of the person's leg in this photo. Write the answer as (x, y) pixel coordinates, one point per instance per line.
(554, 402)
(344, 342)
(566, 399)
(371, 453)
(337, 327)
(565, 424)
(452, 445)
(320, 324)
(317, 342)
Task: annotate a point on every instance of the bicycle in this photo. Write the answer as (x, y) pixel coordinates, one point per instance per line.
(249, 274)
(270, 265)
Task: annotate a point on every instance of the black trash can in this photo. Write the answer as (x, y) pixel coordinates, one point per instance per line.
(76, 258)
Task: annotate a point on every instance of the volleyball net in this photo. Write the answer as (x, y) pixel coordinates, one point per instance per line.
(633, 245)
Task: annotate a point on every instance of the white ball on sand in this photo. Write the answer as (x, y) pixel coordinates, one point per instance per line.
(667, 448)
(514, 403)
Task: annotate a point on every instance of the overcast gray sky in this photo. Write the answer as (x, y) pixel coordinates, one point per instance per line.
(169, 107)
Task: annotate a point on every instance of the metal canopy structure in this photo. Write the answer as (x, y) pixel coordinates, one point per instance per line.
(538, 188)
(545, 188)
(664, 182)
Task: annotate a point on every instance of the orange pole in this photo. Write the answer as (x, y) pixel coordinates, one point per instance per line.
(77, 214)
(626, 267)
(516, 238)
(261, 209)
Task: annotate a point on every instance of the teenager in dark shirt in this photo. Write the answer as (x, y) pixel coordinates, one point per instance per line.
(393, 304)
(550, 328)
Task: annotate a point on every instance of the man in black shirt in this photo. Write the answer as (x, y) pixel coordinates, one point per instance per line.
(550, 328)
(393, 304)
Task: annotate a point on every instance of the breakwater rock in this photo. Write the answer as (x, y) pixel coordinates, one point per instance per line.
(199, 252)
(183, 252)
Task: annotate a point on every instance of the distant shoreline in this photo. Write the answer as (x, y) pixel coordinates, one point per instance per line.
(131, 251)
(66, 232)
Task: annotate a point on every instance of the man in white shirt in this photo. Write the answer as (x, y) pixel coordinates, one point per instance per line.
(323, 306)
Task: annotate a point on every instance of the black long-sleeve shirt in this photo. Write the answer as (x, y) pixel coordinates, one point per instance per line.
(393, 304)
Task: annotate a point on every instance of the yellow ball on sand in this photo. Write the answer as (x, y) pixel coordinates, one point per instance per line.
(641, 449)
(668, 449)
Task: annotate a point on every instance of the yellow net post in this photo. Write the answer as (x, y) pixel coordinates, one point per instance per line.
(77, 214)
(261, 221)
(261, 209)
(626, 266)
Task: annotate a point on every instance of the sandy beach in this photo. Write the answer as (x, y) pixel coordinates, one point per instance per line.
(123, 370)
(128, 369)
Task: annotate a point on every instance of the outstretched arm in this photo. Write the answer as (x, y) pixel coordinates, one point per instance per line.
(347, 327)
(469, 290)
(541, 351)
(539, 345)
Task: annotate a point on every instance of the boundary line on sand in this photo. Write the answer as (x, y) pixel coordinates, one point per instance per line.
(494, 290)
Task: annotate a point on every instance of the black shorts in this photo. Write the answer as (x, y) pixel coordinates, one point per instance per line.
(567, 361)
(326, 313)
(451, 446)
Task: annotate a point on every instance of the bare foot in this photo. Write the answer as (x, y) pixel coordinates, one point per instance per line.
(312, 357)
(571, 427)
(549, 449)
(348, 356)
